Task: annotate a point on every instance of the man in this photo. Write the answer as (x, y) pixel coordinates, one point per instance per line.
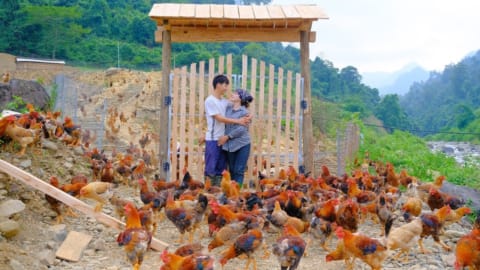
(215, 107)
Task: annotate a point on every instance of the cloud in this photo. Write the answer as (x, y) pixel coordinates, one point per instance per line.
(377, 35)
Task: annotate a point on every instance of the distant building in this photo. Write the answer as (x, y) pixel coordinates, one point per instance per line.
(38, 64)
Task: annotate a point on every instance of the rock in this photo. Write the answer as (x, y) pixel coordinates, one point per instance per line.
(11, 207)
(25, 164)
(9, 228)
(47, 144)
(46, 257)
(16, 265)
(30, 91)
(59, 232)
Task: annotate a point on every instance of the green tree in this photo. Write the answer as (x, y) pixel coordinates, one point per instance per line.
(57, 26)
(390, 112)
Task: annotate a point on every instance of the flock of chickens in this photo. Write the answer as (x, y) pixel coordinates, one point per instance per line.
(303, 209)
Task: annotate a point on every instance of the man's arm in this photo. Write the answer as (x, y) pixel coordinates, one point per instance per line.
(240, 121)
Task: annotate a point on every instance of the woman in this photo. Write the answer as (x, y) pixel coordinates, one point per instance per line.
(238, 143)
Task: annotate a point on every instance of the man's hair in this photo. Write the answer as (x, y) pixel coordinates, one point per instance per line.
(220, 79)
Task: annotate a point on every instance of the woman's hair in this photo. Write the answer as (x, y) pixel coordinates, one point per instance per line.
(245, 97)
(220, 79)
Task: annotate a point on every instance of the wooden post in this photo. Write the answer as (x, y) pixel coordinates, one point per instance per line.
(164, 106)
(65, 198)
(307, 129)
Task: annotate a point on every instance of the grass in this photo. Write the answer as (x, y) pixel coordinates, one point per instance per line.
(406, 151)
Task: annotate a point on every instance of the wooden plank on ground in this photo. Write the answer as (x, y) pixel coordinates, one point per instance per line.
(73, 246)
(73, 202)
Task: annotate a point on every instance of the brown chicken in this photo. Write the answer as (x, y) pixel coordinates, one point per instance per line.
(371, 251)
(186, 216)
(55, 204)
(289, 248)
(432, 225)
(73, 131)
(348, 215)
(435, 199)
(93, 190)
(424, 189)
(229, 187)
(24, 137)
(247, 244)
(227, 234)
(456, 215)
(412, 208)
(195, 261)
(279, 218)
(467, 251)
(340, 254)
(135, 239)
(107, 173)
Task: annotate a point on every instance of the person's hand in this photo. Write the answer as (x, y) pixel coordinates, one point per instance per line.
(201, 140)
(222, 140)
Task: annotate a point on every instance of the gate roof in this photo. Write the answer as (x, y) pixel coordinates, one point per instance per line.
(222, 23)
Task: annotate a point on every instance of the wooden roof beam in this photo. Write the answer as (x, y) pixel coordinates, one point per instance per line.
(193, 34)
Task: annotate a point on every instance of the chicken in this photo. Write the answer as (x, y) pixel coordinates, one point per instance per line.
(247, 244)
(73, 130)
(135, 239)
(107, 173)
(226, 234)
(279, 218)
(411, 207)
(457, 214)
(158, 200)
(340, 254)
(92, 191)
(289, 248)
(321, 229)
(228, 186)
(327, 211)
(435, 199)
(55, 204)
(189, 183)
(432, 225)
(370, 251)
(196, 261)
(424, 189)
(189, 249)
(392, 178)
(348, 215)
(405, 237)
(186, 218)
(119, 205)
(20, 135)
(384, 210)
(162, 184)
(467, 251)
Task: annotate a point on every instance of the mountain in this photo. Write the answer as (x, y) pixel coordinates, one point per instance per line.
(397, 82)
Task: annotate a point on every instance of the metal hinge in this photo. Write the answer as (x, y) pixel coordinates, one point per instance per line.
(303, 104)
(167, 101)
(166, 166)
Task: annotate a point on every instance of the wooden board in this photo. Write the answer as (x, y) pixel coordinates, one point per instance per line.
(73, 202)
(73, 246)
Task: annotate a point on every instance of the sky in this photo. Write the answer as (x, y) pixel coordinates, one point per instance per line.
(387, 35)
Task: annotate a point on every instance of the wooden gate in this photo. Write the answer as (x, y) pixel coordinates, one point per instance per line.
(276, 109)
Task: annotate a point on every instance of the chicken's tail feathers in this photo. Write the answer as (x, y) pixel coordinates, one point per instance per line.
(388, 224)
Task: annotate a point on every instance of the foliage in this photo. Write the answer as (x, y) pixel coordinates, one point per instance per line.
(446, 100)
(407, 151)
(17, 104)
(53, 97)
